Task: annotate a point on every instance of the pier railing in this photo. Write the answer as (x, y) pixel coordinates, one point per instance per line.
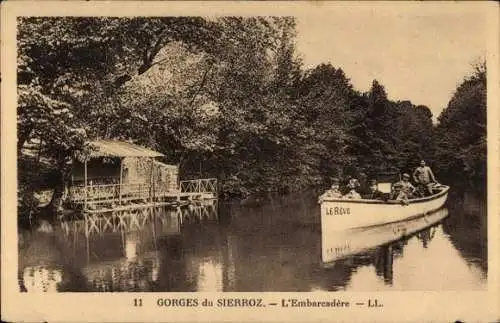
(205, 185)
(137, 191)
(109, 192)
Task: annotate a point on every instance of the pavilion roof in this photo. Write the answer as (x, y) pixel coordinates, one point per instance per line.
(116, 148)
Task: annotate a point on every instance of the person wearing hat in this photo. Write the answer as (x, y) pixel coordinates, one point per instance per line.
(373, 191)
(397, 193)
(352, 193)
(351, 182)
(405, 186)
(408, 188)
(395, 190)
(333, 192)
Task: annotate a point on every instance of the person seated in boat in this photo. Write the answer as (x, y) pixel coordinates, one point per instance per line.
(373, 192)
(398, 194)
(352, 194)
(406, 186)
(354, 182)
(333, 191)
(351, 181)
(424, 178)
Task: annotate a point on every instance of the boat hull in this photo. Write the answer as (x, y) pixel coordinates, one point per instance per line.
(341, 217)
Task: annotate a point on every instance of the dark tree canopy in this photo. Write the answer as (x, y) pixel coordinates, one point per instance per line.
(461, 144)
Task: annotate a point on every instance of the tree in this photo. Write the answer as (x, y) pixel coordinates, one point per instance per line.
(461, 132)
(381, 118)
(251, 83)
(324, 98)
(84, 61)
(71, 71)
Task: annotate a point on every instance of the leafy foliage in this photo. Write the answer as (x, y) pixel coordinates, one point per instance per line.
(461, 133)
(225, 97)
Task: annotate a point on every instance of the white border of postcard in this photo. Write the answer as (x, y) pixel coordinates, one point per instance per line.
(93, 307)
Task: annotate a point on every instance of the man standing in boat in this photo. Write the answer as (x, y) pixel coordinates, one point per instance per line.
(424, 178)
(333, 192)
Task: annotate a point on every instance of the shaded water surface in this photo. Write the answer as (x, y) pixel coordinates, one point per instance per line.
(228, 247)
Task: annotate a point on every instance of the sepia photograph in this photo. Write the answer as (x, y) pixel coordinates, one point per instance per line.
(333, 151)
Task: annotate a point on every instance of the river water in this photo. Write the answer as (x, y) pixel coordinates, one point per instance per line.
(219, 247)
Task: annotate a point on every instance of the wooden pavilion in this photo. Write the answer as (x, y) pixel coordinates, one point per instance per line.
(120, 172)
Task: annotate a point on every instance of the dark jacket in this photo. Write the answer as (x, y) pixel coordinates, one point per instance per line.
(375, 195)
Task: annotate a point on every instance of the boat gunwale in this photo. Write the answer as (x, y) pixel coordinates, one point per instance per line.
(444, 191)
(410, 218)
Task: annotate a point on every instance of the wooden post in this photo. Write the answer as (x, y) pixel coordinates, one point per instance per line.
(153, 175)
(151, 182)
(87, 233)
(153, 225)
(121, 181)
(85, 185)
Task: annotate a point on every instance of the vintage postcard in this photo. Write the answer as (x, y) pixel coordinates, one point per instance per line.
(250, 161)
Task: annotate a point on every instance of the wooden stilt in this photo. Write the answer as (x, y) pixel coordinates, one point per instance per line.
(121, 182)
(123, 237)
(87, 238)
(85, 180)
(153, 225)
(153, 177)
(151, 182)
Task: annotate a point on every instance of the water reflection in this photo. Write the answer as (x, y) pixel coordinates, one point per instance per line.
(383, 263)
(440, 267)
(341, 244)
(426, 235)
(40, 279)
(229, 247)
(467, 229)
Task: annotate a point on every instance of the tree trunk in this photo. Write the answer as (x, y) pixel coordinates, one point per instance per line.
(23, 136)
(62, 178)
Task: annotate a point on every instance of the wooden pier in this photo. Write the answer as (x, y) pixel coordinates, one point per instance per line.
(120, 176)
(103, 198)
(199, 188)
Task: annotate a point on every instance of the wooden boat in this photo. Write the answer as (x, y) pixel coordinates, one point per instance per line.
(343, 215)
